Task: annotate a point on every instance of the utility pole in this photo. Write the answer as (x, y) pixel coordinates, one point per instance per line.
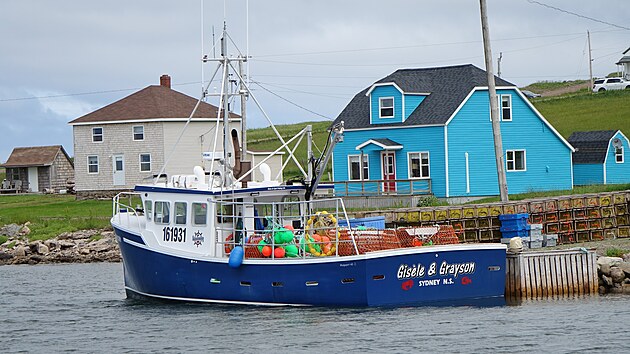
(494, 104)
(590, 60)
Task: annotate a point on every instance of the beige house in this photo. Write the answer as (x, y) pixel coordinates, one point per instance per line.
(38, 169)
(127, 142)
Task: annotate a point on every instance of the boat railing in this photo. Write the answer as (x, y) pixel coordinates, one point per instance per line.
(287, 229)
(124, 213)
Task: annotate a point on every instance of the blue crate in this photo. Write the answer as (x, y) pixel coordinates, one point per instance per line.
(514, 227)
(375, 222)
(517, 233)
(505, 217)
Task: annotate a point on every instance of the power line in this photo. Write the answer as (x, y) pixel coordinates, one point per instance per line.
(291, 102)
(576, 14)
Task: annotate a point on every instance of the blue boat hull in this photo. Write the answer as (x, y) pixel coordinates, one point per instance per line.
(402, 277)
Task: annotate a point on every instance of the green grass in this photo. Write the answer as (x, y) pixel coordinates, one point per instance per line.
(264, 139)
(51, 215)
(584, 111)
(616, 252)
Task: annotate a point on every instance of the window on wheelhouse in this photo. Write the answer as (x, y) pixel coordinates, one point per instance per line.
(162, 213)
(199, 214)
(148, 209)
(180, 213)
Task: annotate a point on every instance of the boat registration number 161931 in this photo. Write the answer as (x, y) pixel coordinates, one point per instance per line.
(174, 234)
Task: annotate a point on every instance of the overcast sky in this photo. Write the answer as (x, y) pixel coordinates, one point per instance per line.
(62, 59)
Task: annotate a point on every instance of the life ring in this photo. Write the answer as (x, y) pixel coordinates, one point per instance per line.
(319, 224)
(228, 246)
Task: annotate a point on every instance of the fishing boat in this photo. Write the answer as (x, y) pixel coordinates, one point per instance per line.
(217, 235)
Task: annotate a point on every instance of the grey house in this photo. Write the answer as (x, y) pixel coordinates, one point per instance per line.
(38, 169)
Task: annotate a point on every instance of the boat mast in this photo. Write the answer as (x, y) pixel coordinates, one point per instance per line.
(225, 108)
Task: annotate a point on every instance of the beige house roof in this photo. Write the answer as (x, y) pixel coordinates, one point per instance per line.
(151, 103)
(34, 156)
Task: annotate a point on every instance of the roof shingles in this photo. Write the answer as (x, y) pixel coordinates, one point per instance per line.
(591, 147)
(447, 88)
(152, 102)
(33, 156)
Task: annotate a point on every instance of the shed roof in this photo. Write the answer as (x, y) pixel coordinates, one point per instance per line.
(624, 59)
(447, 88)
(591, 147)
(152, 102)
(34, 156)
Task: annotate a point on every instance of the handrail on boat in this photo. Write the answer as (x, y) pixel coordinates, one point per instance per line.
(119, 208)
(278, 214)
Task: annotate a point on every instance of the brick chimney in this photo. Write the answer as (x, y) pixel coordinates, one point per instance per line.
(165, 81)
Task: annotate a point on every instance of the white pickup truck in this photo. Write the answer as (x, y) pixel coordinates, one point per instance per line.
(611, 83)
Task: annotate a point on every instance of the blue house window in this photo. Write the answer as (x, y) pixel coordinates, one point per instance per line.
(619, 154)
(515, 160)
(386, 107)
(358, 172)
(506, 107)
(418, 164)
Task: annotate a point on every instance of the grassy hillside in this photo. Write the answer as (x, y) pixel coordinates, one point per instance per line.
(584, 111)
(264, 139)
(543, 86)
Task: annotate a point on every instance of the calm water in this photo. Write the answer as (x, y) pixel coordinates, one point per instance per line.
(83, 308)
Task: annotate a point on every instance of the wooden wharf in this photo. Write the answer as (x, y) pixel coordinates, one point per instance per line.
(551, 273)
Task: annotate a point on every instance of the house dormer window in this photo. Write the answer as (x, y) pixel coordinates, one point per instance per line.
(97, 135)
(138, 133)
(506, 107)
(619, 154)
(386, 107)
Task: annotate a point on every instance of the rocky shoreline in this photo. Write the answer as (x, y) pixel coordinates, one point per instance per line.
(614, 274)
(84, 246)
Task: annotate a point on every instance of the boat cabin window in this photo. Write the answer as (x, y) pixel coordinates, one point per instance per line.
(200, 214)
(180, 213)
(162, 213)
(148, 209)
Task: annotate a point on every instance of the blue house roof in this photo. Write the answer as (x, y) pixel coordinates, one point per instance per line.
(446, 87)
(591, 147)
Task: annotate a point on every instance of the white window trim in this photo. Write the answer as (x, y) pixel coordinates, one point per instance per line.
(102, 135)
(367, 166)
(510, 107)
(419, 153)
(98, 167)
(380, 107)
(140, 162)
(133, 133)
(622, 155)
(524, 161)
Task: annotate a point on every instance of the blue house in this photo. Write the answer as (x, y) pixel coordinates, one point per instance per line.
(599, 157)
(430, 130)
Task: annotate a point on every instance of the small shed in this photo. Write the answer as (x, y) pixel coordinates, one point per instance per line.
(599, 157)
(38, 169)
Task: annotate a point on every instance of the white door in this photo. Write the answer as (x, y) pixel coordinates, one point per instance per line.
(119, 170)
(33, 182)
